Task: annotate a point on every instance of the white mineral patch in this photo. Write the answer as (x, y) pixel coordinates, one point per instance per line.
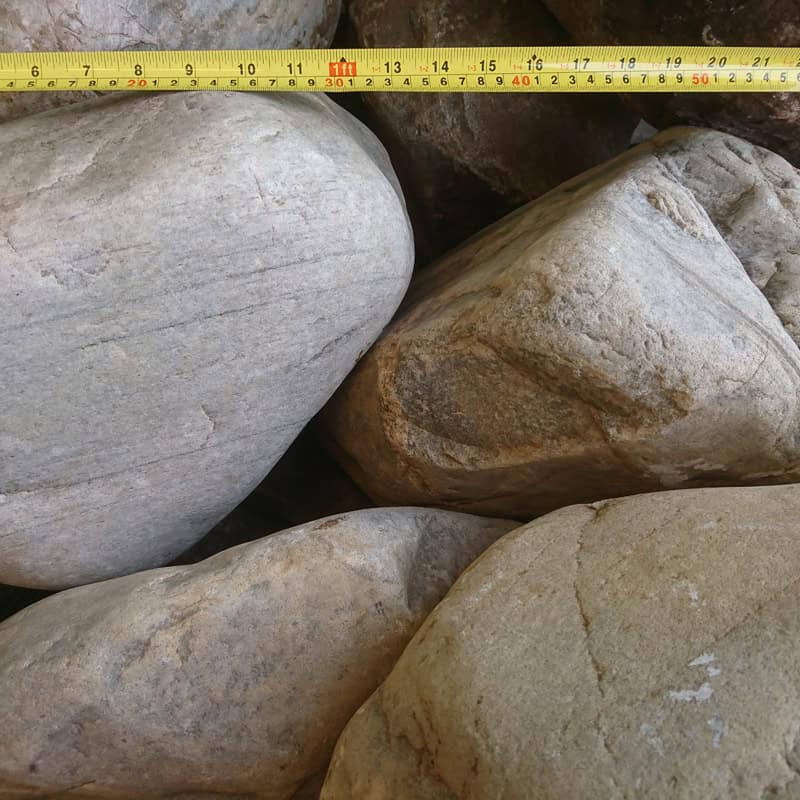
(651, 737)
(693, 695)
(718, 727)
(709, 38)
(701, 661)
(706, 660)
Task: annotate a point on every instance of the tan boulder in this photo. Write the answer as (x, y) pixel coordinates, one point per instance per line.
(610, 338)
(646, 647)
(228, 678)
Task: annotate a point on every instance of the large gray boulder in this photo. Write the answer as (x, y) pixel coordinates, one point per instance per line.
(155, 25)
(647, 647)
(228, 678)
(635, 329)
(184, 281)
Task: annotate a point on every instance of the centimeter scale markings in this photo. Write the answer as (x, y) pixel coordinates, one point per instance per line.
(445, 69)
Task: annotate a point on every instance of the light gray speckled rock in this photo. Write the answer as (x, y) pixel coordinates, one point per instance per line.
(155, 25)
(646, 647)
(635, 329)
(184, 281)
(232, 677)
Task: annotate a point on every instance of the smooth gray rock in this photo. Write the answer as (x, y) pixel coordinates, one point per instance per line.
(155, 25)
(228, 678)
(635, 329)
(184, 281)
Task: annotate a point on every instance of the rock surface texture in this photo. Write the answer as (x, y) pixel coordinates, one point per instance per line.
(155, 25)
(611, 338)
(464, 159)
(228, 678)
(646, 647)
(183, 317)
(769, 119)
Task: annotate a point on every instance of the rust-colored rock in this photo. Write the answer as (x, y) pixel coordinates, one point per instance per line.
(610, 338)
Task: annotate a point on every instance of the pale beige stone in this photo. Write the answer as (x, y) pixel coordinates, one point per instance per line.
(646, 647)
(228, 678)
(612, 337)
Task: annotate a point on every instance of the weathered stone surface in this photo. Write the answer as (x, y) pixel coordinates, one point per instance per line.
(232, 677)
(768, 119)
(464, 159)
(608, 339)
(155, 25)
(170, 322)
(646, 647)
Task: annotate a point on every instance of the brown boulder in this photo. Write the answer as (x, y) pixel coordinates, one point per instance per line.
(464, 160)
(769, 119)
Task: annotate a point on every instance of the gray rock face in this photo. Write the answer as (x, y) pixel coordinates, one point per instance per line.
(647, 647)
(171, 321)
(155, 25)
(612, 337)
(228, 678)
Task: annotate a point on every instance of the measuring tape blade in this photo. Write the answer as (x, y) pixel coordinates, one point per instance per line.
(433, 69)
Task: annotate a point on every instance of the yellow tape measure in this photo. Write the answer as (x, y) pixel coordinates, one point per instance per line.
(434, 69)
